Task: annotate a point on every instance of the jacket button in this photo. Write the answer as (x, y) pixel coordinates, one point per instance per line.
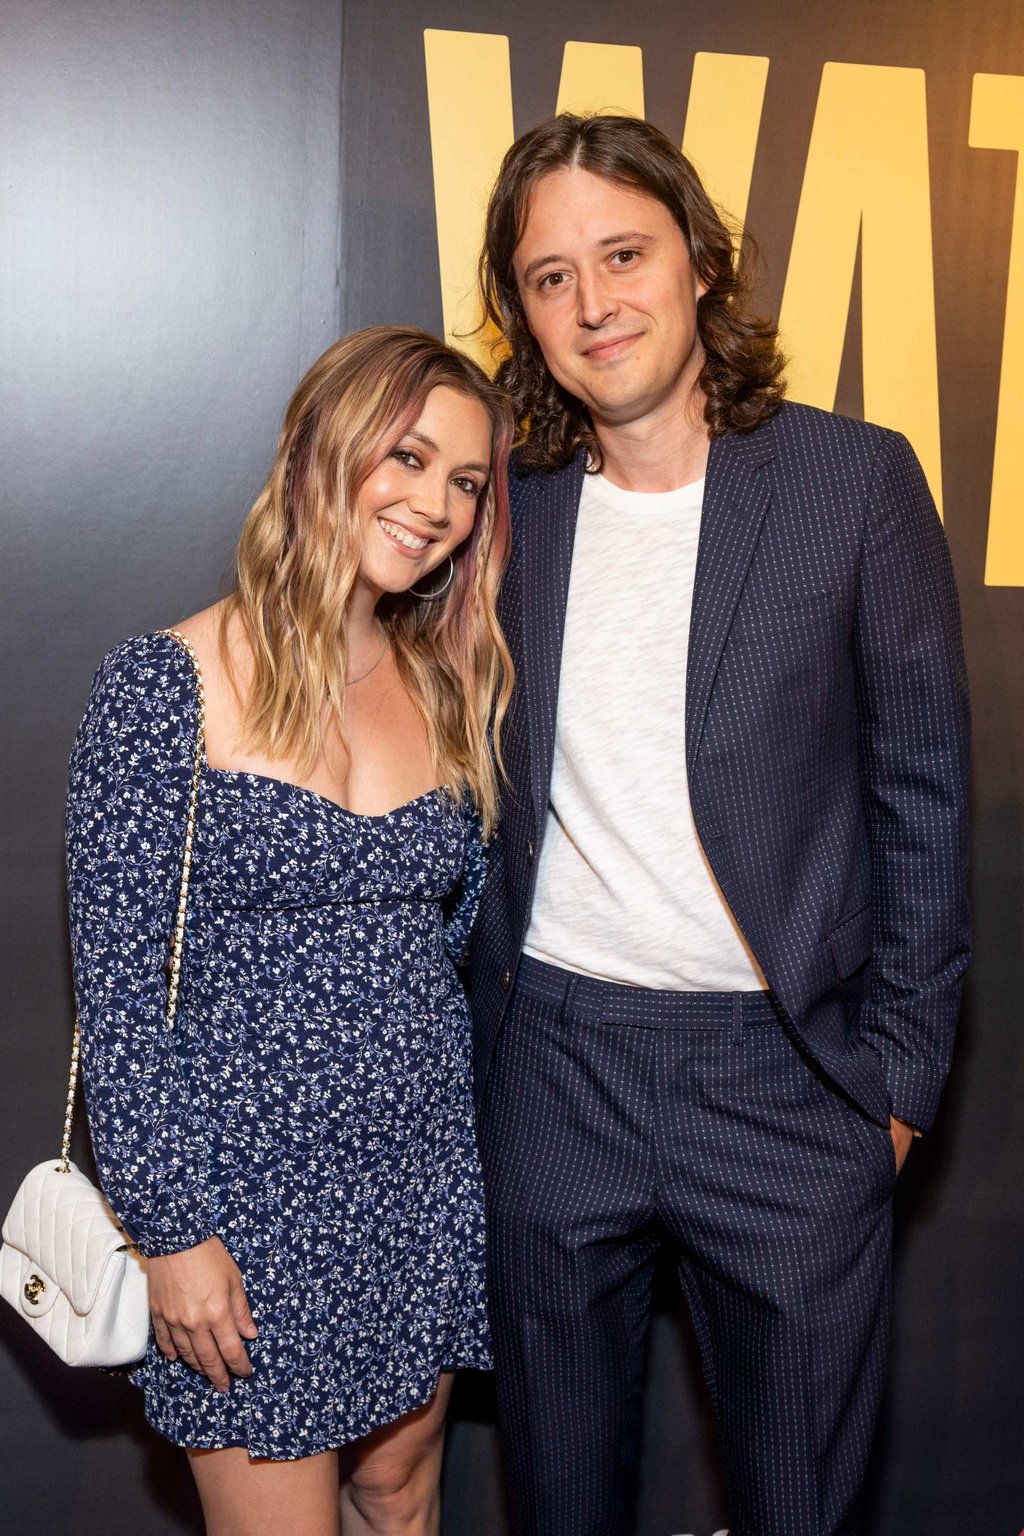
(529, 853)
(506, 979)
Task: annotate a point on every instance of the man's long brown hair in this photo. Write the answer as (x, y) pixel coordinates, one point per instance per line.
(299, 554)
(741, 380)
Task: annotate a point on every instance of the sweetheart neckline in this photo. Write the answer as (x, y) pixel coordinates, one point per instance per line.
(268, 778)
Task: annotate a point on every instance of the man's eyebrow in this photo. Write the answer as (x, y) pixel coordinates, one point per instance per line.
(636, 236)
(537, 263)
(428, 442)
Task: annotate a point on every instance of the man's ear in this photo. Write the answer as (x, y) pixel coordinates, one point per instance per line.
(702, 282)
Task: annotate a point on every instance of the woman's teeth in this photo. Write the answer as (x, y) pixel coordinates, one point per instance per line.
(408, 539)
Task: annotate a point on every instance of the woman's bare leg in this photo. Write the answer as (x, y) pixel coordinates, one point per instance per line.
(391, 1478)
(267, 1498)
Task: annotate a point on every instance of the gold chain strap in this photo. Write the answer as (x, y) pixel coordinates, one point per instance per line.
(178, 940)
(178, 936)
(65, 1146)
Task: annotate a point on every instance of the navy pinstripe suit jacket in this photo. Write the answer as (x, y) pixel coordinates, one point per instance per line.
(826, 743)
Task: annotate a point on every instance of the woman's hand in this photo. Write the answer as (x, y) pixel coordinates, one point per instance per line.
(200, 1312)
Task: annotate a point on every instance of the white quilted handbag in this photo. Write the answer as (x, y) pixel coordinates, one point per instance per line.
(67, 1265)
(69, 1269)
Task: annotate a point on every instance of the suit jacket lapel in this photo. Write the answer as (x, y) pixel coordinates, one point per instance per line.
(736, 498)
(547, 529)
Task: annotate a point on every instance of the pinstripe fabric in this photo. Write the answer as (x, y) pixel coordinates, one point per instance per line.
(618, 1119)
(826, 743)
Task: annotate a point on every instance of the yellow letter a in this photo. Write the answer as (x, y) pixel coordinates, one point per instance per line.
(867, 175)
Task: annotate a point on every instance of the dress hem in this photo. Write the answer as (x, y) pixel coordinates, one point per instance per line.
(419, 1396)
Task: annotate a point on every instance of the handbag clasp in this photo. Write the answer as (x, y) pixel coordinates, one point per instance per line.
(34, 1288)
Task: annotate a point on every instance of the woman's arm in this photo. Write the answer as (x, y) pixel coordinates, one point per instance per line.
(128, 794)
(129, 783)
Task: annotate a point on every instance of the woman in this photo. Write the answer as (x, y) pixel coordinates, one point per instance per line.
(296, 1159)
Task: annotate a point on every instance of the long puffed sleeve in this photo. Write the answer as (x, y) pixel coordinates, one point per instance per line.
(128, 792)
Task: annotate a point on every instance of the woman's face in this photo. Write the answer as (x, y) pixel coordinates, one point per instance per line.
(418, 505)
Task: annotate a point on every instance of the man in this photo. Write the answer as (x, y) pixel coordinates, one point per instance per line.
(717, 964)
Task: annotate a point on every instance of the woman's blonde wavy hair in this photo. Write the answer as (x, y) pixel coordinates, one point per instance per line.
(299, 553)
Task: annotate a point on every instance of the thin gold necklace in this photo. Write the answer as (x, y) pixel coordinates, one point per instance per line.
(350, 682)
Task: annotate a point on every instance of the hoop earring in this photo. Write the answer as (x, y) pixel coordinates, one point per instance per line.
(429, 597)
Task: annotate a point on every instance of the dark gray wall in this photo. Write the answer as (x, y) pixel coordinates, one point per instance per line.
(170, 231)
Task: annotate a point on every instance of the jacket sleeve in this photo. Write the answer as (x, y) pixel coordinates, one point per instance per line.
(913, 731)
(129, 784)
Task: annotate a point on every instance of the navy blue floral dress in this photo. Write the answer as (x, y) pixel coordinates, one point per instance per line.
(313, 1107)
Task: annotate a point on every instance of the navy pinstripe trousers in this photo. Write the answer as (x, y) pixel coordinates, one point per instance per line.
(616, 1120)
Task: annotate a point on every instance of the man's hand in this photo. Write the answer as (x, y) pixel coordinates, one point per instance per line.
(200, 1312)
(902, 1135)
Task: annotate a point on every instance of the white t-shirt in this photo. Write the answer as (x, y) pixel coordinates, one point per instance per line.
(624, 891)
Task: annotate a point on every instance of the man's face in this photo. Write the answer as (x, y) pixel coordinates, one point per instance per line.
(610, 295)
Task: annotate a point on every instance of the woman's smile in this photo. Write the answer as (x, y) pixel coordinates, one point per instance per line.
(409, 543)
